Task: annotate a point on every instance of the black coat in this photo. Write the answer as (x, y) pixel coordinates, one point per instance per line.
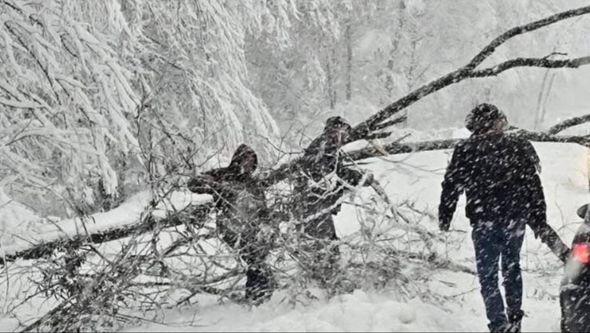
(323, 157)
(321, 182)
(239, 199)
(498, 174)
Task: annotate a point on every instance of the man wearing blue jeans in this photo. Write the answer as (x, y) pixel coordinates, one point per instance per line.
(498, 174)
(500, 242)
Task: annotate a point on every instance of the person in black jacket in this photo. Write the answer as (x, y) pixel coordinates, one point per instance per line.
(498, 174)
(321, 183)
(240, 201)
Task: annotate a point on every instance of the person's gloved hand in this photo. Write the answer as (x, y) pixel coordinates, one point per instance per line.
(565, 255)
(199, 183)
(369, 178)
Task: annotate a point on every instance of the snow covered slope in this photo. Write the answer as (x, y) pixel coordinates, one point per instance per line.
(417, 177)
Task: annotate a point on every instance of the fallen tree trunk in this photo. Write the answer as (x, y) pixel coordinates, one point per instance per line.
(191, 214)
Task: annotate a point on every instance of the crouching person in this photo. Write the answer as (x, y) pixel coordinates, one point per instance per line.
(242, 217)
(322, 181)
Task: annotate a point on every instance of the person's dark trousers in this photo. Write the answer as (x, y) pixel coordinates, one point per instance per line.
(259, 284)
(319, 251)
(260, 281)
(495, 243)
(259, 277)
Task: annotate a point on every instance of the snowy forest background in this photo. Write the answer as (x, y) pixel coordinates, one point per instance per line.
(76, 73)
(102, 100)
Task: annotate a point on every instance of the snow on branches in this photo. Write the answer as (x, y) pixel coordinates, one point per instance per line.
(90, 90)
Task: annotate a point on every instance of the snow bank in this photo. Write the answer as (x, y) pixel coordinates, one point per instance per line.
(360, 311)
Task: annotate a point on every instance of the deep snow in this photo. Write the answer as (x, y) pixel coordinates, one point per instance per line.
(414, 177)
(417, 177)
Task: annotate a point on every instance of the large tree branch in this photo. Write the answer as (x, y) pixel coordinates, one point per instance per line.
(401, 148)
(374, 122)
(491, 47)
(189, 215)
(379, 121)
(412, 147)
(195, 214)
(530, 62)
(468, 71)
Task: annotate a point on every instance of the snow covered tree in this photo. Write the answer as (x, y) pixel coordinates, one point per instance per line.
(96, 94)
(66, 99)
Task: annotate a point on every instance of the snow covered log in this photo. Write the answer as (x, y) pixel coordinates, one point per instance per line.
(135, 217)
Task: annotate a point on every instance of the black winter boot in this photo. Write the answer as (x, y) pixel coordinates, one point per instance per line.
(514, 321)
(498, 328)
(259, 285)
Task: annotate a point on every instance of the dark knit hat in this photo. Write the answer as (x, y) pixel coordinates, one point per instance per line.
(242, 153)
(336, 122)
(483, 117)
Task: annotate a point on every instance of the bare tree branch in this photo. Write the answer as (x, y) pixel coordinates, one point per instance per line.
(192, 214)
(530, 62)
(468, 71)
(491, 47)
(390, 123)
(412, 147)
(378, 120)
(568, 123)
(402, 148)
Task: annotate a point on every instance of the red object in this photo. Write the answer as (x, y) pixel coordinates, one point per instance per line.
(581, 253)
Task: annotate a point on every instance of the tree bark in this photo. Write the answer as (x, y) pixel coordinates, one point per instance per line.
(348, 38)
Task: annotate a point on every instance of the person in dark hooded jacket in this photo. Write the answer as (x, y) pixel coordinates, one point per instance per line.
(322, 181)
(240, 201)
(498, 174)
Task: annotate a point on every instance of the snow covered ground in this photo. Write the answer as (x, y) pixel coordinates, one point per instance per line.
(417, 177)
